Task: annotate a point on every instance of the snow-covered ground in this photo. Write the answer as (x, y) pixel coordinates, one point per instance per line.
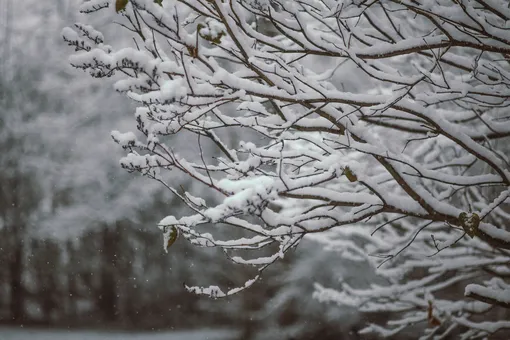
(43, 334)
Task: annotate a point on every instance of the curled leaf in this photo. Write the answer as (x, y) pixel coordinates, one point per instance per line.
(170, 236)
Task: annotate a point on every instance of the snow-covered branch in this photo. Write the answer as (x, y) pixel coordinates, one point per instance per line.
(379, 127)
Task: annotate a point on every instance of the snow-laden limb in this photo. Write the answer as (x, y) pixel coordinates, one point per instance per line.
(216, 292)
(382, 137)
(497, 292)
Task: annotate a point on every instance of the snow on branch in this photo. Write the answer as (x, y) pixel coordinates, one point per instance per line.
(382, 137)
(497, 294)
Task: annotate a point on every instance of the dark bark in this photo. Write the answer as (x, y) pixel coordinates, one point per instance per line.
(108, 299)
(17, 301)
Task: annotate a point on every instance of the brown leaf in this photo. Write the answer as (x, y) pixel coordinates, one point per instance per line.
(120, 5)
(433, 321)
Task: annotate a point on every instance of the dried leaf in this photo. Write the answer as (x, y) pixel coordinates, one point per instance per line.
(433, 321)
(351, 176)
(192, 50)
(120, 5)
(174, 233)
(469, 223)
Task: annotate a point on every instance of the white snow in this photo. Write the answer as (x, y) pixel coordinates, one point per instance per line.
(45, 334)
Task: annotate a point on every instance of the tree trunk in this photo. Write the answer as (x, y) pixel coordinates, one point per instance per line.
(108, 291)
(17, 293)
(72, 296)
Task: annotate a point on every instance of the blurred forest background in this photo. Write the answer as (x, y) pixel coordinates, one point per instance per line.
(78, 250)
